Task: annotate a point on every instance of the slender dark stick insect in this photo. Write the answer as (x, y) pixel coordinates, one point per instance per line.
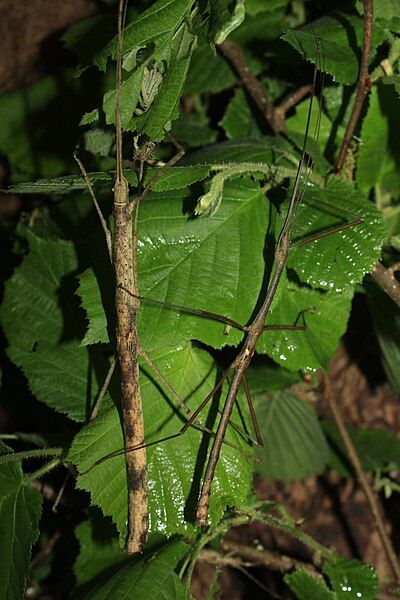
(128, 290)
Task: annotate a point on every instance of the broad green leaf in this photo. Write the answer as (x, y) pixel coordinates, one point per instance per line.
(130, 91)
(338, 260)
(386, 319)
(378, 156)
(164, 108)
(161, 19)
(336, 32)
(306, 586)
(376, 448)
(58, 376)
(239, 120)
(325, 316)
(392, 80)
(192, 130)
(147, 577)
(351, 578)
(180, 461)
(99, 550)
(173, 179)
(31, 309)
(204, 264)
(266, 150)
(208, 73)
(294, 444)
(40, 328)
(99, 141)
(20, 510)
(263, 376)
(223, 17)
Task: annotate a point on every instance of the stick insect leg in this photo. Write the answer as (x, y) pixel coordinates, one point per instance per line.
(103, 391)
(192, 420)
(96, 205)
(181, 403)
(188, 309)
(259, 441)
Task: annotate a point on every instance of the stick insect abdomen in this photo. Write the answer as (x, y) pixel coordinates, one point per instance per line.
(127, 347)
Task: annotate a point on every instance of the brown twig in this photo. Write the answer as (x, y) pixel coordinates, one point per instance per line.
(294, 98)
(234, 54)
(266, 558)
(45, 552)
(386, 280)
(362, 478)
(363, 84)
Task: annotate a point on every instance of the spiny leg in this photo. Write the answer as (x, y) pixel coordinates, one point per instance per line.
(96, 205)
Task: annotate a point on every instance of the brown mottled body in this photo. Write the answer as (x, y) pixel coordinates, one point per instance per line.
(124, 258)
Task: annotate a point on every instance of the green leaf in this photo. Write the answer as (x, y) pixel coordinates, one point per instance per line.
(99, 551)
(295, 445)
(192, 130)
(208, 73)
(266, 150)
(130, 91)
(197, 262)
(391, 80)
(224, 17)
(386, 320)
(351, 578)
(305, 586)
(161, 19)
(378, 156)
(377, 449)
(325, 316)
(164, 108)
(238, 120)
(173, 179)
(146, 577)
(192, 374)
(31, 308)
(339, 58)
(341, 259)
(99, 141)
(254, 7)
(20, 510)
(58, 376)
(35, 321)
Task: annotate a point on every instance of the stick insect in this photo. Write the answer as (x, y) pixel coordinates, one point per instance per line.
(128, 294)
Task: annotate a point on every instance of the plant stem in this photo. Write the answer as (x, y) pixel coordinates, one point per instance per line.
(363, 84)
(362, 478)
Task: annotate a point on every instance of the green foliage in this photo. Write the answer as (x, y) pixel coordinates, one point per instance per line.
(378, 449)
(348, 579)
(20, 509)
(295, 445)
(177, 460)
(146, 577)
(58, 313)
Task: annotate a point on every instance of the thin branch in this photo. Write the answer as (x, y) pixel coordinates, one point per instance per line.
(45, 552)
(266, 558)
(363, 84)
(386, 280)
(294, 98)
(233, 53)
(362, 478)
